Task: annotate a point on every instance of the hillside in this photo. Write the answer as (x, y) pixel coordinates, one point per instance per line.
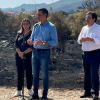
(65, 5)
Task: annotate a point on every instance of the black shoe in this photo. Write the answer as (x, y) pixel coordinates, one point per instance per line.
(44, 97)
(85, 95)
(34, 96)
(95, 97)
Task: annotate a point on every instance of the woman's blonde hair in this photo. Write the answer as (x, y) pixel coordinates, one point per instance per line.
(22, 29)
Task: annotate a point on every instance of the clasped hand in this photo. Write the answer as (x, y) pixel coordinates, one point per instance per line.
(37, 41)
(85, 39)
(21, 55)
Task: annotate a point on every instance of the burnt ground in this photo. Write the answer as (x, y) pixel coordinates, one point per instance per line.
(65, 71)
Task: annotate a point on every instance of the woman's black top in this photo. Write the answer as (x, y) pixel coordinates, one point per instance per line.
(21, 42)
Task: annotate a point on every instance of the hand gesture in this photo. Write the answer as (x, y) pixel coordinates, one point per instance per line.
(38, 41)
(29, 41)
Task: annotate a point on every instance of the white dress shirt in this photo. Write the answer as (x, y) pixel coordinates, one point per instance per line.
(91, 32)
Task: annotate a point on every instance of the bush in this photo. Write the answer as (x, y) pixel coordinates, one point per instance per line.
(63, 31)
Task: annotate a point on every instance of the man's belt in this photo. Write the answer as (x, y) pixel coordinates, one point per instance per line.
(91, 51)
(41, 49)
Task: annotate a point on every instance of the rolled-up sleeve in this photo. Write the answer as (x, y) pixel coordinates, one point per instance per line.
(53, 37)
(79, 40)
(97, 38)
(97, 41)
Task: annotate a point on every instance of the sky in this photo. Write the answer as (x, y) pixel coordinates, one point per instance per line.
(15, 3)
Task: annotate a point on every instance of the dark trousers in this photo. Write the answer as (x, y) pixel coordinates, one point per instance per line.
(91, 62)
(28, 68)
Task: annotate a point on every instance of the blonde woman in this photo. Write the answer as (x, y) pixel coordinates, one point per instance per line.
(23, 50)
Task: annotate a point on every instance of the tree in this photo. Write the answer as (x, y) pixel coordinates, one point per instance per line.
(64, 32)
(91, 4)
(3, 19)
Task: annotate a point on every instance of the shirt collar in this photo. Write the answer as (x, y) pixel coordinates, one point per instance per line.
(45, 23)
(92, 25)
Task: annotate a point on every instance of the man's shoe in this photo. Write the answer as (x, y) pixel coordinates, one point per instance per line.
(30, 92)
(95, 97)
(17, 93)
(44, 97)
(34, 96)
(85, 95)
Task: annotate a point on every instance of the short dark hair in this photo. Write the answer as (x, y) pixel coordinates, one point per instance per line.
(44, 11)
(94, 15)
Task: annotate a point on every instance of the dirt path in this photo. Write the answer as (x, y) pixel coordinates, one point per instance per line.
(53, 94)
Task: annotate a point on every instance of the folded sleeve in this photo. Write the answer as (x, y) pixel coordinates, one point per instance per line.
(53, 37)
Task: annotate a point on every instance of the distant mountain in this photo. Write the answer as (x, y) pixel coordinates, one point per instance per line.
(65, 5)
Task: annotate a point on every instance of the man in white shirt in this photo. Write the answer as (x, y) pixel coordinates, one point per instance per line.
(89, 37)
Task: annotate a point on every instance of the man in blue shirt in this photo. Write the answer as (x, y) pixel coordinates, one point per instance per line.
(43, 38)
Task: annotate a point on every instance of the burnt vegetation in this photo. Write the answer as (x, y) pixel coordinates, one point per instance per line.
(66, 56)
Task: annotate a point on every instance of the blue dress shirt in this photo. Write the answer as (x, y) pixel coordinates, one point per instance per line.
(46, 32)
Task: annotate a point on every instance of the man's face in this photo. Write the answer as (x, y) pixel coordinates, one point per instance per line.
(90, 21)
(41, 16)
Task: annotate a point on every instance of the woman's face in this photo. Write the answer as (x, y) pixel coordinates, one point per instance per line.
(25, 25)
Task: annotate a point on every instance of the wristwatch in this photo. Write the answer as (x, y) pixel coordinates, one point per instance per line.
(43, 43)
